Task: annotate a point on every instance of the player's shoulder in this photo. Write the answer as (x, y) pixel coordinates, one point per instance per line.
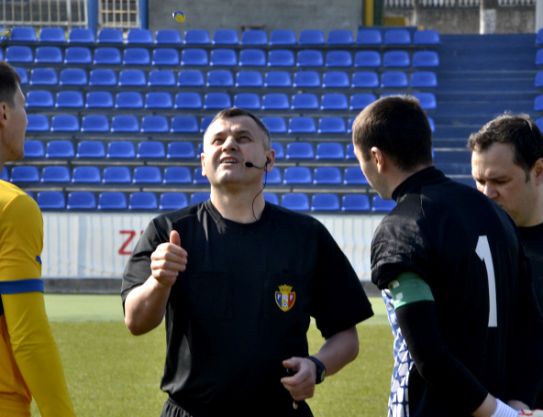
(15, 201)
(290, 218)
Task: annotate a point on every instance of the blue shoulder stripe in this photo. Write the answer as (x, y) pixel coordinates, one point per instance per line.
(22, 286)
(1, 307)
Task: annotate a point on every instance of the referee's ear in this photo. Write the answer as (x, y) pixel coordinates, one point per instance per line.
(378, 158)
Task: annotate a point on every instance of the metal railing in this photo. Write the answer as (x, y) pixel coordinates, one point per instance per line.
(119, 13)
(43, 13)
(456, 3)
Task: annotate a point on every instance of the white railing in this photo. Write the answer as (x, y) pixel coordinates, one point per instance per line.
(43, 12)
(456, 3)
(119, 13)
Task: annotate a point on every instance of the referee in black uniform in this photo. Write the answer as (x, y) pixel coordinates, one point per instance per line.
(238, 280)
(451, 268)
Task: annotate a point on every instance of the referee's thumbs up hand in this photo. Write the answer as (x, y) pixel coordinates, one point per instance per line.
(168, 260)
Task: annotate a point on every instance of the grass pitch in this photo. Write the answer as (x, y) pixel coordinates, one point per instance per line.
(111, 373)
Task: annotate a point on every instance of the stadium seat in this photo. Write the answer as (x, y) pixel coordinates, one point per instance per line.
(220, 78)
(295, 201)
(177, 175)
(300, 150)
(223, 57)
(188, 101)
(254, 37)
(369, 37)
(39, 98)
(311, 37)
(132, 78)
(335, 79)
(396, 59)
(424, 79)
(279, 150)
(136, 56)
(396, 37)
(309, 58)
(142, 200)
(248, 101)
(273, 177)
(48, 55)
(64, 123)
(86, 175)
(217, 101)
(394, 79)
(55, 174)
(368, 59)
(73, 77)
(180, 150)
(301, 125)
(81, 200)
(139, 36)
(281, 58)
(33, 149)
(198, 37)
(107, 55)
(19, 54)
(365, 79)
(340, 37)
(69, 99)
(338, 58)
(99, 100)
(112, 200)
(23, 75)
(538, 103)
(275, 101)
(90, 149)
(297, 175)
(77, 55)
(124, 123)
(225, 37)
(380, 205)
(158, 100)
(185, 124)
(538, 81)
(121, 150)
(128, 100)
(116, 175)
(355, 202)
(425, 59)
(102, 78)
(271, 198)
(194, 57)
(191, 78)
(354, 176)
(161, 78)
(24, 174)
(198, 178)
(426, 37)
(165, 56)
(147, 175)
(334, 102)
(51, 200)
(304, 101)
(306, 79)
(275, 124)
(37, 123)
(81, 36)
(331, 125)
(330, 151)
(325, 202)
(279, 79)
(95, 123)
(252, 58)
(4, 174)
(43, 76)
(427, 100)
(110, 36)
(282, 38)
(59, 148)
(199, 197)
(172, 201)
(327, 176)
(539, 57)
(249, 79)
(155, 124)
(168, 37)
(151, 150)
(26, 34)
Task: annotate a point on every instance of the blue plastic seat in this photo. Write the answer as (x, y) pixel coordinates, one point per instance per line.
(198, 178)
(76, 77)
(359, 101)
(43, 76)
(55, 174)
(282, 37)
(128, 100)
(425, 59)
(249, 79)
(86, 175)
(142, 200)
(396, 37)
(177, 175)
(199, 197)
(69, 99)
(334, 102)
(539, 57)
(327, 176)
(24, 174)
(271, 198)
(380, 205)
(4, 174)
(220, 78)
(52, 34)
(180, 150)
(306, 79)
(335, 79)
(302, 125)
(309, 58)
(172, 201)
(102, 78)
(26, 34)
(116, 175)
(81, 36)
(223, 57)
(107, 55)
(64, 123)
(16, 54)
(33, 149)
(300, 150)
(281, 58)
(355, 202)
(77, 55)
(147, 175)
(369, 37)
(124, 123)
(121, 150)
(248, 101)
(254, 37)
(331, 125)
(39, 98)
(165, 56)
(90, 149)
(275, 124)
(136, 56)
(168, 37)
(158, 100)
(295, 201)
(188, 100)
(304, 101)
(23, 75)
(330, 151)
(338, 58)
(194, 57)
(37, 123)
(185, 124)
(426, 37)
(161, 78)
(423, 79)
(297, 175)
(396, 58)
(311, 37)
(112, 200)
(279, 150)
(340, 37)
(281, 79)
(81, 200)
(538, 103)
(538, 81)
(59, 148)
(217, 101)
(427, 100)
(110, 35)
(274, 177)
(95, 123)
(139, 36)
(191, 78)
(367, 59)
(51, 200)
(48, 55)
(354, 176)
(197, 37)
(226, 37)
(365, 79)
(325, 202)
(132, 78)
(99, 100)
(155, 124)
(275, 101)
(252, 58)
(394, 79)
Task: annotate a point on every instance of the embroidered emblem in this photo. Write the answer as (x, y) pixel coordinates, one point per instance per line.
(285, 297)
(38, 259)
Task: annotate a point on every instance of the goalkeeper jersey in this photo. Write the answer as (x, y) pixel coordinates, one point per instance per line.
(29, 360)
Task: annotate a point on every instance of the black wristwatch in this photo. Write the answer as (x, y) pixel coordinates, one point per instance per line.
(321, 369)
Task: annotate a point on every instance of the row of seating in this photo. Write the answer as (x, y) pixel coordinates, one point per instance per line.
(210, 101)
(231, 37)
(105, 77)
(249, 57)
(173, 175)
(144, 200)
(155, 124)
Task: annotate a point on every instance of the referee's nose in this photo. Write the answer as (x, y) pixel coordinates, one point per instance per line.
(490, 191)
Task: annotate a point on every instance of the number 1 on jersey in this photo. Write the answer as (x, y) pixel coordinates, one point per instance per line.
(483, 251)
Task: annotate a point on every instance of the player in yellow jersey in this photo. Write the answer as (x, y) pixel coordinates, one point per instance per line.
(29, 360)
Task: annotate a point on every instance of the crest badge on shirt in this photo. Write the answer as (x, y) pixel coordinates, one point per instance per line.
(285, 298)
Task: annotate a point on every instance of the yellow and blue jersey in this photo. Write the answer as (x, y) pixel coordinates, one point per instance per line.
(29, 361)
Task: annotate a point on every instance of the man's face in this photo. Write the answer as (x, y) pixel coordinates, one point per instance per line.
(14, 123)
(499, 178)
(228, 144)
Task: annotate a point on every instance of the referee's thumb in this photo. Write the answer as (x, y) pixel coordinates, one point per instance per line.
(175, 239)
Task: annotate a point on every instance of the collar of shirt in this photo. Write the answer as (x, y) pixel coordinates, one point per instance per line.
(415, 181)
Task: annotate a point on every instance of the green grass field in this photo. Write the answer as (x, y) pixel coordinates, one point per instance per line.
(111, 373)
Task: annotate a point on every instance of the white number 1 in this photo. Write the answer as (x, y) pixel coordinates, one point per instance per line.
(483, 251)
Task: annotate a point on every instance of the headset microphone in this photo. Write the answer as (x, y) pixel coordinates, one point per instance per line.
(251, 165)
